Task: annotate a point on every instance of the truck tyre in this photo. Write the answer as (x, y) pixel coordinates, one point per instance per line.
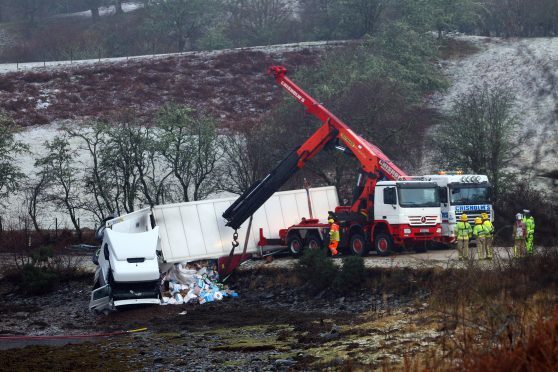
(358, 245)
(295, 245)
(383, 244)
(313, 242)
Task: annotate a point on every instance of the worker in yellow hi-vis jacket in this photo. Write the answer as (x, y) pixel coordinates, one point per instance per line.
(480, 232)
(463, 232)
(489, 237)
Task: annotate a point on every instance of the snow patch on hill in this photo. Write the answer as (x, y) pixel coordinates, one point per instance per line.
(525, 67)
(106, 10)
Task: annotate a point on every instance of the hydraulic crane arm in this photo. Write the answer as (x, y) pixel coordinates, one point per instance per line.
(370, 157)
(375, 164)
(260, 191)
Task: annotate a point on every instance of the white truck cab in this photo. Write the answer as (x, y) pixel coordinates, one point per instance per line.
(410, 210)
(128, 268)
(461, 193)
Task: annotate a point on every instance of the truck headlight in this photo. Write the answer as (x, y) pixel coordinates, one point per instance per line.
(439, 230)
(406, 231)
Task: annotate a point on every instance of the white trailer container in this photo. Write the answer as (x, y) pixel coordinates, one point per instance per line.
(196, 230)
(128, 268)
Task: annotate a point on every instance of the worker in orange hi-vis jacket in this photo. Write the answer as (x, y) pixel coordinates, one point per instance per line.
(334, 236)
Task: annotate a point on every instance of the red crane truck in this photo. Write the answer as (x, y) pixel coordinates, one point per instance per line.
(388, 210)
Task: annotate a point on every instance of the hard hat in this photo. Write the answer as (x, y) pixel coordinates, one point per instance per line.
(331, 220)
(527, 212)
(478, 221)
(484, 216)
(519, 216)
(464, 217)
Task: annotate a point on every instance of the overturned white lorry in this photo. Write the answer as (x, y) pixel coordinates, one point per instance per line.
(137, 247)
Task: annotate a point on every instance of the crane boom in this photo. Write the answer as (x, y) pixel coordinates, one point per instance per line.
(375, 164)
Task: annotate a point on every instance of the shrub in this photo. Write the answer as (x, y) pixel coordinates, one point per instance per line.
(351, 276)
(37, 280)
(537, 351)
(41, 270)
(316, 269)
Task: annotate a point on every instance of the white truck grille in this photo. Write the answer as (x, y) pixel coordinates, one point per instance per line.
(422, 220)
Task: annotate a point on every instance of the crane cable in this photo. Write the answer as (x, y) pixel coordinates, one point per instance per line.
(62, 337)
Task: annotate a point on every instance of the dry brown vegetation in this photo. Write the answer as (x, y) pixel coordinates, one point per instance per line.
(501, 319)
(231, 85)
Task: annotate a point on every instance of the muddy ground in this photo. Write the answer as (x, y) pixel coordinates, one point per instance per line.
(277, 323)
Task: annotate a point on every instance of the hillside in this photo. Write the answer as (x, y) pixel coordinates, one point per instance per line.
(527, 67)
(229, 84)
(233, 86)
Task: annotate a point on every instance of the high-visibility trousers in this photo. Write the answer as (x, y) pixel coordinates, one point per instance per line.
(481, 247)
(529, 243)
(489, 251)
(333, 244)
(519, 247)
(463, 247)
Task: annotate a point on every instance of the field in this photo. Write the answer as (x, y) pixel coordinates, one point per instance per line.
(402, 317)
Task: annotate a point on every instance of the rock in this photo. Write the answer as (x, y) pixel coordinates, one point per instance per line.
(268, 296)
(284, 362)
(337, 361)
(341, 300)
(319, 295)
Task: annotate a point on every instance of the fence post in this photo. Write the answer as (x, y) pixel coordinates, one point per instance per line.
(55, 227)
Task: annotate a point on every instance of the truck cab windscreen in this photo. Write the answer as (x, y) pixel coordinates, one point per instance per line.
(466, 195)
(418, 197)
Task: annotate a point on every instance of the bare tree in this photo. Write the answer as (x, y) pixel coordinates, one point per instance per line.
(10, 173)
(259, 20)
(481, 135)
(245, 158)
(190, 148)
(31, 9)
(181, 20)
(117, 159)
(35, 195)
(118, 6)
(63, 177)
(146, 155)
(97, 180)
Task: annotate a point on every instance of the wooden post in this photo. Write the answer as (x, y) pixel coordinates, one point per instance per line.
(56, 227)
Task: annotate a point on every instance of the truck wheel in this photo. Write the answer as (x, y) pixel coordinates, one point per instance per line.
(313, 242)
(358, 245)
(383, 244)
(295, 245)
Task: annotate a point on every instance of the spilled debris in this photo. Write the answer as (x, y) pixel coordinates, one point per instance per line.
(193, 283)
